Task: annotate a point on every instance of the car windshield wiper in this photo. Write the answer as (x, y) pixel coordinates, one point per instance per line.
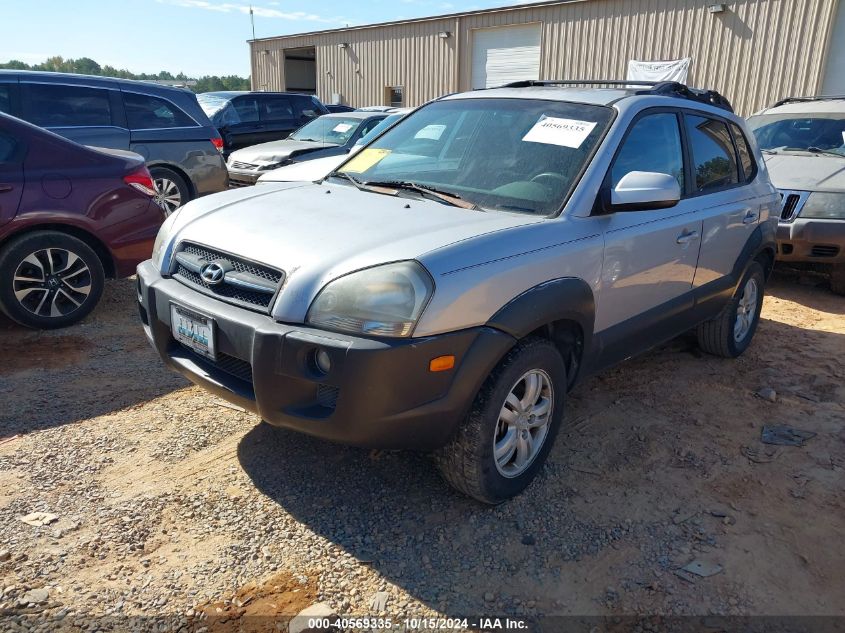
(826, 152)
(342, 174)
(425, 190)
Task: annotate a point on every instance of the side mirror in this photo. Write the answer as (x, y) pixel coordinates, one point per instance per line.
(644, 190)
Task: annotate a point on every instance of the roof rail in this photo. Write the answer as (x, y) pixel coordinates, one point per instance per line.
(814, 98)
(667, 88)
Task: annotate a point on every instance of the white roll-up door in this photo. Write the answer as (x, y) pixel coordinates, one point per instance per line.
(504, 54)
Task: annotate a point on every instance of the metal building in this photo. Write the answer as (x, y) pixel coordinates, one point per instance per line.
(753, 51)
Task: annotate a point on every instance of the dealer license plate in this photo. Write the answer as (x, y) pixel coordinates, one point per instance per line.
(193, 330)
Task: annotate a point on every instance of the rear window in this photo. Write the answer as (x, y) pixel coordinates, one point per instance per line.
(53, 105)
(714, 161)
(144, 112)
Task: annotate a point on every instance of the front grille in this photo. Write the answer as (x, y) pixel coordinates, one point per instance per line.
(237, 184)
(789, 204)
(228, 291)
(821, 250)
(239, 165)
(327, 396)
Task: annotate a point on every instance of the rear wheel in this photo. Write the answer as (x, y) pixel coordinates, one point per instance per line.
(49, 279)
(729, 333)
(171, 189)
(504, 441)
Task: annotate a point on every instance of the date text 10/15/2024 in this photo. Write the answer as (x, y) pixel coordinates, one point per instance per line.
(419, 624)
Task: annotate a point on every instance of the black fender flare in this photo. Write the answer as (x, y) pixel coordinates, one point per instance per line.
(761, 240)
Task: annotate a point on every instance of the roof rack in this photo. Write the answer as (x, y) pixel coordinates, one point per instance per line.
(667, 88)
(815, 98)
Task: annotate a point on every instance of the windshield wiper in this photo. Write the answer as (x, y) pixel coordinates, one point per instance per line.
(340, 174)
(426, 191)
(819, 150)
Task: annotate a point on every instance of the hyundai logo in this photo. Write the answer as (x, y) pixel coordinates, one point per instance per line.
(213, 273)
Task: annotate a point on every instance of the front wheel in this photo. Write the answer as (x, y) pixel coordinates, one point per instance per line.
(49, 279)
(504, 441)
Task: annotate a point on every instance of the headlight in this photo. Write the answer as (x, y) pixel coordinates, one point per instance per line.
(163, 238)
(381, 301)
(824, 206)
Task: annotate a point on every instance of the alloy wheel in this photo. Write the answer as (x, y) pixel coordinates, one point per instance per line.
(52, 282)
(523, 423)
(168, 196)
(746, 310)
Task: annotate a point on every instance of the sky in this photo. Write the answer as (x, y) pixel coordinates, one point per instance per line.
(197, 37)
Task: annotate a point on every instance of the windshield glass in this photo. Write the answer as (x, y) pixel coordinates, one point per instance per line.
(334, 130)
(379, 128)
(796, 131)
(510, 154)
(211, 104)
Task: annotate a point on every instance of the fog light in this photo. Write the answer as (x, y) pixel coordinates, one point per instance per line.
(323, 361)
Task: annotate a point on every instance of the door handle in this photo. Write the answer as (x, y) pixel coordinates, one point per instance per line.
(750, 217)
(4, 188)
(687, 236)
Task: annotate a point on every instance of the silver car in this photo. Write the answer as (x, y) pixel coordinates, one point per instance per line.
(447, 285)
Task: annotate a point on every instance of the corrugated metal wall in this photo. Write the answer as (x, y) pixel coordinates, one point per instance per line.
(754, 53)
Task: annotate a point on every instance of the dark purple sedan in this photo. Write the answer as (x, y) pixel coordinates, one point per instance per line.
(69, 217)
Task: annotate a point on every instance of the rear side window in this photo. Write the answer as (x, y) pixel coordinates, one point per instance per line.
(5, 99)
(653, 144)
(246, 109)
(52, 105)
(144, 112)
(746, 158)
(306, 107)
(276, 108)
(7, 147)
(714, 161)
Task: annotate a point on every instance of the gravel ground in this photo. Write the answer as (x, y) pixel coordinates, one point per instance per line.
(169, 502)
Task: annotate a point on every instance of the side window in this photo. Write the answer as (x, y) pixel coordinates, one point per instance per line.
(746, 158)
(305, 107)
(247, 109)
(652, 144)
(368, 126)
(714, 161)
(276, 109)
(53, 105)
(5, 99)
(7, 147)
(144, 112)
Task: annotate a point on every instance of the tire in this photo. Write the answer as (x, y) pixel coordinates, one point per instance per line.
(837, 279)
(722, 335)
(171, 189)
(468, 462)
(49, 279)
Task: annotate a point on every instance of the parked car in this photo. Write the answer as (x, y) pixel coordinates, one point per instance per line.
(330, 135)
(339, 107)
(69, 217)
(165, 125)
(448, 284)
(319, 168)
(803, 142)
(249, 118)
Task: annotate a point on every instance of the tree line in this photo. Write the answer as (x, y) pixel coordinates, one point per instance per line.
(87, 66)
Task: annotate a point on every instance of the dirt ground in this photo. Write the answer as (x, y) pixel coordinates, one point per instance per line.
(170, 501)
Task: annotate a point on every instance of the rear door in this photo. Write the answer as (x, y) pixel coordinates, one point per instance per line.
(245, 127)
(11, 176)
(278, 117)
(85, 114)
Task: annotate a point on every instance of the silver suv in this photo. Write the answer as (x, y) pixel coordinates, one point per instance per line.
(447, 285)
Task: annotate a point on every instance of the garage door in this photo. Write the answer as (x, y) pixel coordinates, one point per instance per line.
(505, 54)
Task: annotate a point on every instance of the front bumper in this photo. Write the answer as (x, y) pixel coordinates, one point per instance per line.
(377, 394)
(242, 178)
(808, 240)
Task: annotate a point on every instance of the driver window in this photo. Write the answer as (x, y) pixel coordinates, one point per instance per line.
(653, 144)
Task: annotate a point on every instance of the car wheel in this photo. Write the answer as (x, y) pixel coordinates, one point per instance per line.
(504, 441)
(729, 334)
(171, 189)
(837, 279)
(49, 279)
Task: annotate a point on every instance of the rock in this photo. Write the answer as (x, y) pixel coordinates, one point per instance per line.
(767, 393)
(37, 519)
(318, 610)
(36, 596)
(378, 603)
(5, 555)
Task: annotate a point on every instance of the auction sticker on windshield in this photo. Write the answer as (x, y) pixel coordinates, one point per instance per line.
(194, 331)
(554, 131)
(364, 160)
(342, 127)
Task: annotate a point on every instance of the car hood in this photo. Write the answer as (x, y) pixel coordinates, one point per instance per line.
(307, 170)
(806, 172)
(318, 232)
(274, 151)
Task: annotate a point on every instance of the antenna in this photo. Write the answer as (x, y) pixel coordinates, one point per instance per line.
(252, 19)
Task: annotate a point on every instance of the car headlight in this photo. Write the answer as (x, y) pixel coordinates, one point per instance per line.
(821, 205)
(385, 300)
(163, 238)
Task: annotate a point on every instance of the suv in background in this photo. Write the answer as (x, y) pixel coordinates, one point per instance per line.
(449, 283)
(165, 125)
(803, 142)
(250, 118)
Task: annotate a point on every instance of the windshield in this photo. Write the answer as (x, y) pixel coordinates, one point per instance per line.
(379, 128)
(510, 154)
(334, 130)
(211, 104)
(797, 131)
